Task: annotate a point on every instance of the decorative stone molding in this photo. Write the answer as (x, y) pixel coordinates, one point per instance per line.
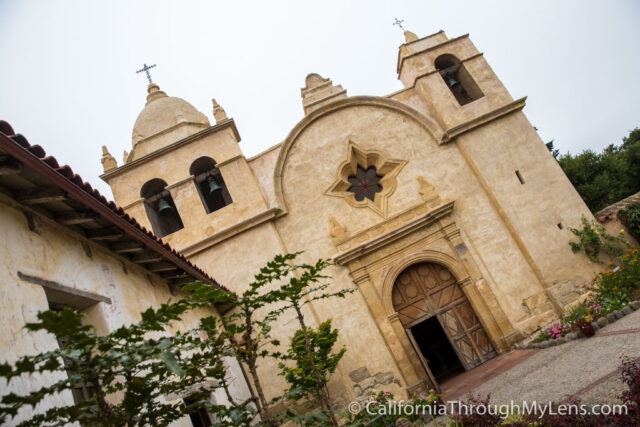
(229, 232)
(463, 283)
(108, 161)
(337, 231)
(403, 55)
(377, 255)
(431, 127)
(428, 192)
(457, 130)
(390, 230)
(218, 112)
(385, 167)
(318, 91)
(107, 175)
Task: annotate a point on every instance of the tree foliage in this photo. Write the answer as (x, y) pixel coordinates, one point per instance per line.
(301, 376)
(305, 286)
(130, 370)
(607, 177)
(145, 374)
(247, 327)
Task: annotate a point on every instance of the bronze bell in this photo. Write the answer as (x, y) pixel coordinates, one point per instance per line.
(452, 82)
(164, 207)
(213, 185)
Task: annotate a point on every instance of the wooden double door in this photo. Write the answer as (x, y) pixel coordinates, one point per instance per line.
(425, 290)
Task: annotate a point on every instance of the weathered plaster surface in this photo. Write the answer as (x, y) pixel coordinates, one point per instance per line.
(57, 255)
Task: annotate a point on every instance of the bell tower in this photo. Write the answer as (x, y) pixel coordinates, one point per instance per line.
(185, 179)
(452, 76)
(525, 185)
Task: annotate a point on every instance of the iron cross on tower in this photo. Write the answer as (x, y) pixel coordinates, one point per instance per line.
(399, 22)
(146, 69)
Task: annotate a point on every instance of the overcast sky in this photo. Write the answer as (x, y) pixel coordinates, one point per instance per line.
(68, 81)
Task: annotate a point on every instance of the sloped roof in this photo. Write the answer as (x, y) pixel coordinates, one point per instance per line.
(38, 181)
(611, 211)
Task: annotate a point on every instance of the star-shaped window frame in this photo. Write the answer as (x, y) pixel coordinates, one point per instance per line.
(365, 183)
(365, 160)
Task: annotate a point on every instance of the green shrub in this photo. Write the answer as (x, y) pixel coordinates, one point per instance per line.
(630, 218)
(595, 239)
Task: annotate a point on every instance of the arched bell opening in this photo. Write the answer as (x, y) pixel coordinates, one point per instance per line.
(160, 207)
(210, 184)
(439, 320)
(457, 79)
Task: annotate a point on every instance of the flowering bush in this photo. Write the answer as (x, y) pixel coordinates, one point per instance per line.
(611, 290)
(619, 283)
(557, 330)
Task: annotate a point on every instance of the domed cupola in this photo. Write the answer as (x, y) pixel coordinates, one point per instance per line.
(163, 121)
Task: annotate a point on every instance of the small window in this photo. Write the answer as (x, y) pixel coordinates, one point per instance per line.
(520, 178)
(210, 184)
(81, 391)
(458, 79)
(60, 297)
(365, 183)
(161, 210)
(199, 417)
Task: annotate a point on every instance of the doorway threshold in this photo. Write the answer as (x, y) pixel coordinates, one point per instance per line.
(457, 386)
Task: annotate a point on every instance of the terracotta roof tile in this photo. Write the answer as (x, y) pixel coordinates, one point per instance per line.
(611, 211)
(85, 188)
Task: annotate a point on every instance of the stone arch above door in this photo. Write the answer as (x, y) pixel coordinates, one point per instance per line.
(426, 256)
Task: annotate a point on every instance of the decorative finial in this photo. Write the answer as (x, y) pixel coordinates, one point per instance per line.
(337, 231)
(399, 22)
(428, 192)
(125, 157)
(408, 35)
(146, 69)
(218, 112)
(108, 162)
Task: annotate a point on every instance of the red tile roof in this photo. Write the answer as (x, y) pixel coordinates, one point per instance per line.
(35, 158)
(611, 211)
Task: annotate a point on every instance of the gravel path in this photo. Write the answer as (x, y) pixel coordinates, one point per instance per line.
(584, 368)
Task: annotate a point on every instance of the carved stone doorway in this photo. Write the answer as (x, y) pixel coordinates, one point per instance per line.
(427, 297)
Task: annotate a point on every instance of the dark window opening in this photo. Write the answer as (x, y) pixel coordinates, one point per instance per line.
(458, 79)
(436, 349)
(520, 178)
(161, 210)
(199, 416)
(560, 226)
(81, 391)
(210, 184)
(365, 183)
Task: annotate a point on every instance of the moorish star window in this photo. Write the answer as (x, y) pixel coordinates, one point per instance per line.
(366, 178)
(365, 183)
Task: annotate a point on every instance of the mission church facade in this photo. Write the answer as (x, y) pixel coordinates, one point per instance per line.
(439, 202)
